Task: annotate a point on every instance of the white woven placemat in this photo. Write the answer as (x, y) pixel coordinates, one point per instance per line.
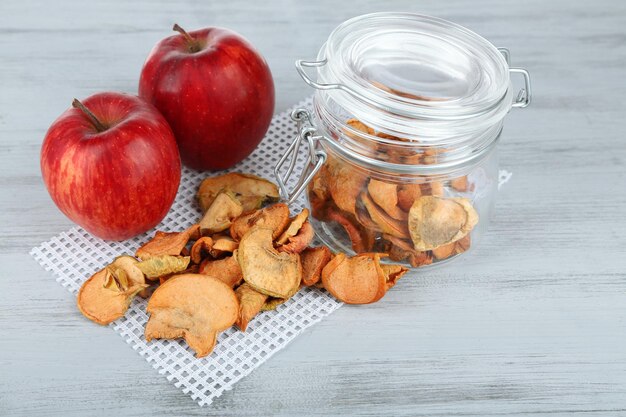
(74, 255)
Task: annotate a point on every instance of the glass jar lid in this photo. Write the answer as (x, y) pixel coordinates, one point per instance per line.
(414, 76)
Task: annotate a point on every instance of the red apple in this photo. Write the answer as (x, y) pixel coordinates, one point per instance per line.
(111, 165)
(215, 90)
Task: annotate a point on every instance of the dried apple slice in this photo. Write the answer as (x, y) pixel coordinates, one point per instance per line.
(383, 220)
(222, 245)
(357, 280)
(313, 260)
(413, 257)
(362, 240)
(250, 190)
(250, 304)
(460, 184)
(436, 221)
(407, 194)
(386, 196)
(345, 184)
(434, 188)
(271, 303)
(275, 217)
(266, 270)
(106, 295)
(164, 243)
(226, 270)
(454, 248)
(134, 274)
(200, 249)
(191, 269)
(158, 266)
(294, 227)
(220, 215)
(300, 241)
(192, 306)
(393, 273)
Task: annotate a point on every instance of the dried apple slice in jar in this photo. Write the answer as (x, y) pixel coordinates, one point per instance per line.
(220, 215)
(344, 184)
(386, 196)
(192, 306)
(407, 194)
(277, 274)
(250, 190)
(383, 220)
(362, 239)
(106, 295)
(451, 249)
(460, 184)
(436, 221)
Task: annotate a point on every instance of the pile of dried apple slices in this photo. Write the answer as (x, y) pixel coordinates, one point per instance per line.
(248, 253)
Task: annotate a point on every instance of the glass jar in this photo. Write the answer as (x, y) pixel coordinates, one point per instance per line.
(402, 139)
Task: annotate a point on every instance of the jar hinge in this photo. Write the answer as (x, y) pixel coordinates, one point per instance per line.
(524, 95)
(316, 157)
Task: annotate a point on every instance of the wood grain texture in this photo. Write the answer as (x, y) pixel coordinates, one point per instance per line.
(532, 323)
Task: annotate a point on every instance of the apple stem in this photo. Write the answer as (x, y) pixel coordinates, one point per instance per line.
(100, 127)
(193, 44)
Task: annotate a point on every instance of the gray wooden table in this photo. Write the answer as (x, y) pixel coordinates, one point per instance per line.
(533, 323)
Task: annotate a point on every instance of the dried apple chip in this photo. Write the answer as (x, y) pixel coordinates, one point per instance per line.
(220, 215)
(222, 245)
(362, 240)
(313, 260)
(200, 248)
(345, 184)
(393, 273)
(250, 190)
(250, 304)
(158, 266)
(271, 303)
(407, 194)
(266, 270)
(460, 183)
(357, 280)
(413, 257)
(194, 307)
(434, 188)
(164, 243)
(134, 274)
(294, 227)
(300, 241)
(106, 295)
(386, 196)
(454, 248)
(436, 221)
(226, 270)
(383, 220)
(275, 217)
